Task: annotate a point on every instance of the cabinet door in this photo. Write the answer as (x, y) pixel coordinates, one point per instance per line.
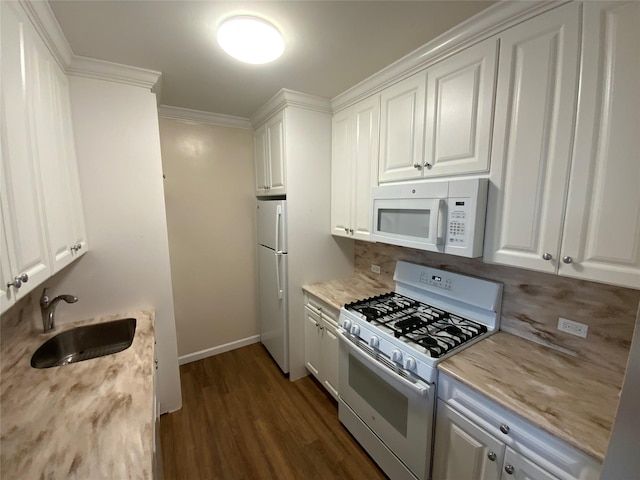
(68, 148)
(329, 355)
(312, 341)
(20, 193)
(464, 451)
(460, 94)
(535, 106)
(260, 159)
(366, 134)
(522, 468)
(7, 296)
(402, 129)
(341, 172)
(276, 155)
(52, 157)
(602, 223)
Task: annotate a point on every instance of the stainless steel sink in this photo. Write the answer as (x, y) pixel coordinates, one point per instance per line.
(84, 343)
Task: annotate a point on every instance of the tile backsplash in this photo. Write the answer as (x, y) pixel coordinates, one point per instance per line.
(533, 301)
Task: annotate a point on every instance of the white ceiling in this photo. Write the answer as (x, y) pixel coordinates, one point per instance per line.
(331, 45)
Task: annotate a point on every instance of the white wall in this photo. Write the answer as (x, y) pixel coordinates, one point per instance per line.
(127, 266)
(211, 209)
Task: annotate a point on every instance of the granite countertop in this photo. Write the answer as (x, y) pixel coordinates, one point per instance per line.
(346, 290)
(572, 399)
(92, 419)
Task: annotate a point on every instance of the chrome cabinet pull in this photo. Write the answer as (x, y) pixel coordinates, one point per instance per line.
(417, 166)
(428, 165)
(18, 281)
(567, 259)
(351, 231)
(491, 456)
(504, 428)
(547, 256)
(509, 469)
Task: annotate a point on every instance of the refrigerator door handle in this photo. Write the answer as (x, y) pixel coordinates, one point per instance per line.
(277, 256)
(278, 217)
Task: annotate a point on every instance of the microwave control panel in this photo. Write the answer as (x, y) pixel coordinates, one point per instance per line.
(458, 224)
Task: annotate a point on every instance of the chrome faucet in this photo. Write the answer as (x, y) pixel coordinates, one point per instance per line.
(48, 308)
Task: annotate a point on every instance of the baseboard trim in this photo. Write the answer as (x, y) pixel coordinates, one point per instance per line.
(210, 352)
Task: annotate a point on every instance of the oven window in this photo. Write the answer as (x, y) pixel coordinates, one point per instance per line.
(411, 223)
(381, 396)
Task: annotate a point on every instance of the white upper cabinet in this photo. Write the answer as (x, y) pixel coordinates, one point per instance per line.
(56, 159)
(354, 164)
(535, 107)
(602, 223)
(575, 213)
(43, 221)
(20, 193)
(438, 122)
(270, 157)
(460, 101)
(402, 129)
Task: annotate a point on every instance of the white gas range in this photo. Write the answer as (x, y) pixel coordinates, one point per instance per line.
(389, 348)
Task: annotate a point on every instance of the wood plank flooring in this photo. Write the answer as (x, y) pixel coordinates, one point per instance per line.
(242, 419)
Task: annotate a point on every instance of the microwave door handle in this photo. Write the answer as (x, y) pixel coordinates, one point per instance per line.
(435, 222)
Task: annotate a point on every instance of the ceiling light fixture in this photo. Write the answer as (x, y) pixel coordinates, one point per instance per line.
(250, 39)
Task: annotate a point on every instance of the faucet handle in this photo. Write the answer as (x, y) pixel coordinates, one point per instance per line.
(44, 298)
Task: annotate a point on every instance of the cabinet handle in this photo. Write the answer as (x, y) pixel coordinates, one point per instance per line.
(547, 256)
(156, 362)
(504, 428)
(351, 231)
(418, 166)
(567, 259)
(18, 281)
(509, 469)
(346, 230)
(428, 165)
(491, 456)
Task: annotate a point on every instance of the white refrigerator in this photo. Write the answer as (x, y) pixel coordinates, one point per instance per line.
(272, 280)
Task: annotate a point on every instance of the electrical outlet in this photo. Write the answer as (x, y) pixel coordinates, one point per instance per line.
(375, 268)
(574, 328)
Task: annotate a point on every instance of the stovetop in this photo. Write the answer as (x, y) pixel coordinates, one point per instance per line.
(415, 323)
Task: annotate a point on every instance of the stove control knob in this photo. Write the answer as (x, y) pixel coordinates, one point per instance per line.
(410, 364)
(355, 330)
(347, 325)
(374, 342)
(396, 356)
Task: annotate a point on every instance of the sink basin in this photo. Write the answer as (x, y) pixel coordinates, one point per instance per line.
(84, 343)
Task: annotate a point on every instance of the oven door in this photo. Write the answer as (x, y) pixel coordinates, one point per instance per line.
(397, 409)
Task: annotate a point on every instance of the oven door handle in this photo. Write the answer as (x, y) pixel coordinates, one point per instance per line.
(421, 390)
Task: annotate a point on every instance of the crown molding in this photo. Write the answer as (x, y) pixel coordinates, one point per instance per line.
(113, 72)
(47, 26)
(198, 116)
(481, 26)
(290, 98)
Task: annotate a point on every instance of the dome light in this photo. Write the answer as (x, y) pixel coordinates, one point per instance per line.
(250, 39)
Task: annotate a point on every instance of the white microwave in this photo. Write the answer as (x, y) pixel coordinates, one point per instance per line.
(439, 216)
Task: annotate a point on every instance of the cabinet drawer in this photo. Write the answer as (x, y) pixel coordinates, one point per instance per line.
(547, 451)
(318, 307)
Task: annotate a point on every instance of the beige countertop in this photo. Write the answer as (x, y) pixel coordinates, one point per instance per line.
(91, 419)
(572, 399)
(346, 290)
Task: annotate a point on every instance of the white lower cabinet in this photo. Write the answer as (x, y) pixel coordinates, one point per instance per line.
(477, 439)
(321, 343)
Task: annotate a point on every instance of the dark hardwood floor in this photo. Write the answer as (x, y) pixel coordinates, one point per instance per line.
(242, 419)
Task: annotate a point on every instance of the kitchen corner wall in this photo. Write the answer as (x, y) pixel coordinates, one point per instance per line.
(127, 265)
(211, 208)
(533, 301)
